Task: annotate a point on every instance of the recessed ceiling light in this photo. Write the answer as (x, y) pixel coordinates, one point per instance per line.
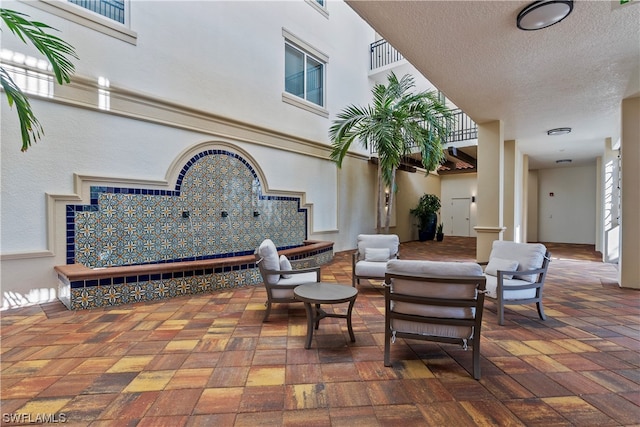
(559, 131)
(543, 14)
(563, 161)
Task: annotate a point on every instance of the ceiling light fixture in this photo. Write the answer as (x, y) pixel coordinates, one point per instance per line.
(563, 161)
(543, 14)
(559, 131)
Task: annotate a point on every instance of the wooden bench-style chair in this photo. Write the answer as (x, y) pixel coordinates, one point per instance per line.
(434, 301)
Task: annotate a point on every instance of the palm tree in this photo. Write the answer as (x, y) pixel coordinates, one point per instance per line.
(56, 51)
(398, 123)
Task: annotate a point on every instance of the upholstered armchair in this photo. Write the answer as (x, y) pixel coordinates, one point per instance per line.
(278, 276)
(434, 301)
(369, 261)
(515, 275)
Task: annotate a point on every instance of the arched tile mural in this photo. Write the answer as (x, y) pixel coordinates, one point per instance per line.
(216, 210)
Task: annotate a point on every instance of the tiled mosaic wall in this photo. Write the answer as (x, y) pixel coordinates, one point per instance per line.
(216, 210)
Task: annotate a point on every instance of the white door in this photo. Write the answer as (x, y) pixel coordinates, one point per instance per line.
(460, 213)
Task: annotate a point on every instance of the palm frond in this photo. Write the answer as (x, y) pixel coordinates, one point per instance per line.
(53, 47)
(30, 127)
(398, 122)
(57, 52)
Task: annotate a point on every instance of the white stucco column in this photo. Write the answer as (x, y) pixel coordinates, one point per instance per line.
(524, 233)
(608, 222)
(490, 188)
(509, 197)
(629, 271)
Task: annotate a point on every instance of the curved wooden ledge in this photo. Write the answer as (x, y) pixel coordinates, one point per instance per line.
(75, 272)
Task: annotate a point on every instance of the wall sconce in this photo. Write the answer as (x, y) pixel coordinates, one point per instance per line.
(386, 198)
(473, 199)
(225, 214)
(256, 213)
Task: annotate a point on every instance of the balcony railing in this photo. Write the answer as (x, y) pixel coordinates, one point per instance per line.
(382, 53)
(462, 129)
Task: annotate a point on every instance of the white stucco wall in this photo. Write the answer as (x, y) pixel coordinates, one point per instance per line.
(569, 216)
(224, 59)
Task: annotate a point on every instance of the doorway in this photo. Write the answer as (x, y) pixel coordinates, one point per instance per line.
(460, 217)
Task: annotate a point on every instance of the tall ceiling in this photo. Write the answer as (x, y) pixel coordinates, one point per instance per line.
(573, 74)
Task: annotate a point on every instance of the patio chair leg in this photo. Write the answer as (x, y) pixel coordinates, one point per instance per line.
(268, 311)
(500, 306)
(541, 311)
(476, 360)
(387, 345)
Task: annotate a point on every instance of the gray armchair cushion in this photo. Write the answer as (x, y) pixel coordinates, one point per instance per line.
(434, 268)
(285, 265)
(529, 256)
(507, 294)
(269, 254)
(376, 254)
(388, 241)
(496, 264)
(433, 290)
(370, 269)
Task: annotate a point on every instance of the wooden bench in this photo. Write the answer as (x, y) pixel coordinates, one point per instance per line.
(83, 287)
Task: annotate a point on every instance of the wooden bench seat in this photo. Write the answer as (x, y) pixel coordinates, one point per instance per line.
(84, 287)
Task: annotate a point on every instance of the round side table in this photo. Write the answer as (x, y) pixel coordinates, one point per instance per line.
(325, 293)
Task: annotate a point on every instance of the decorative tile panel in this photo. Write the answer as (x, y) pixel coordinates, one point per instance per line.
(131, 226)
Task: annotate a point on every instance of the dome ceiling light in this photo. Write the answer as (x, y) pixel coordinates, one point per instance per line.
(559, 131)
(543, 14)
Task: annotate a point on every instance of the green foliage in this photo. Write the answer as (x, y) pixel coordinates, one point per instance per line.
(30, 127)
(440, 229)
(54, 48)
(428, 205)
(398, 123)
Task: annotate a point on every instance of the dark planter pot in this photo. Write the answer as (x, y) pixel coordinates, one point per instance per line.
(439, 237)
(429, 232)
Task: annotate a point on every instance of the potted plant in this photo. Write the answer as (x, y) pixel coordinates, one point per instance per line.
(440, 232)
(427, 214)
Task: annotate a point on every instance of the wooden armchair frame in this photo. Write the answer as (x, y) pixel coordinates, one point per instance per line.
(501, 301)
(475, 304)
(274, 294)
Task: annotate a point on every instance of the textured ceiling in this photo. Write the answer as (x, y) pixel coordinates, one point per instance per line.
(573, 74)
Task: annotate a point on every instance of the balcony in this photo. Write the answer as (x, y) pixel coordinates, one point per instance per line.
(462, 139)
(383, 54)
(457, 160)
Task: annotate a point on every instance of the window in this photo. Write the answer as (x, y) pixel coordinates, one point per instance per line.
(112, 9)
(304, 75)
(110, 17)
(320, 6)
